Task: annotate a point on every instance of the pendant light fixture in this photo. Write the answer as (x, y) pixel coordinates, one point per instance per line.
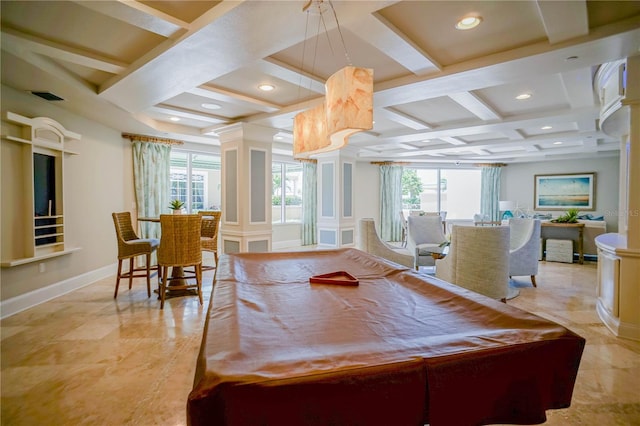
(347, 107)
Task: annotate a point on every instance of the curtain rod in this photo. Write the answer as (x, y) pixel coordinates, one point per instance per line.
(490, 165)
(389, 163)
(307, 160)
(143, 138)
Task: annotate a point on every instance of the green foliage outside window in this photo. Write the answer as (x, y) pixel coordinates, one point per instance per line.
(411, 187)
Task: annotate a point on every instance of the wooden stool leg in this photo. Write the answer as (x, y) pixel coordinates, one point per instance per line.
(115, 294)
(199, 281)
(148, 275)
(130, 272)
(533, 280)
(163, 286)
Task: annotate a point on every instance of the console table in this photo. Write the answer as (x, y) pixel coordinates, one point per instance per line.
(578, 226)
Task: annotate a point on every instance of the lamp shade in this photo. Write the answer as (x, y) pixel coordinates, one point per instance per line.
(507, 206)
(349, 103)
(310, 132)
(347, 109)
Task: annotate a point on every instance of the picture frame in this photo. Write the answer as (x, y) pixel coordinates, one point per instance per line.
(564, 191)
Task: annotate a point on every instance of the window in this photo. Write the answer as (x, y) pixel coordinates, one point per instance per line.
(456, 191)
(195, 179)
(287, 181)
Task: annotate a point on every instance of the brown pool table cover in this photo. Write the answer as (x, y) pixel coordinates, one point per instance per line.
(399, 349)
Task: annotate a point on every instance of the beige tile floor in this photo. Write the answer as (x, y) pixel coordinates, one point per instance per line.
(85, 358)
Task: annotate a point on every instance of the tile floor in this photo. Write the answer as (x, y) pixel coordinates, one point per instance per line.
(85, 358)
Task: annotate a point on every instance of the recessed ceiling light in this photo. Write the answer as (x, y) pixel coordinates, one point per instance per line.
(468, 22)
(523, 96)
(174, 118)
(210, 106)
(266, 87)
(546, 127)
(557, 143)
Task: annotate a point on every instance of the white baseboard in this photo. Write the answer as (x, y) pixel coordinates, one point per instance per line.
(25, 301)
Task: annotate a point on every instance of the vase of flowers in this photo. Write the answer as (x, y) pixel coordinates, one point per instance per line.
(176, 206)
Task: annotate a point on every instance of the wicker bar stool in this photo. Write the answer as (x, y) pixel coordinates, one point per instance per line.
(209, 234)
(129, 247)
(180, 248)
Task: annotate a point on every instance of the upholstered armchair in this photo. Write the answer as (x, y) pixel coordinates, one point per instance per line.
(424, 236)
(524, 248)
(478, 260)
(370, 242)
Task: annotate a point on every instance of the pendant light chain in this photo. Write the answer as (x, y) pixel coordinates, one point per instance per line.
(344, 46)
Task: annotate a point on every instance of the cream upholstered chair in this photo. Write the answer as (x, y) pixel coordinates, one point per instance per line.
(524, 248)
(370, 242)
(209, 234)
(478, 260)
(130, 247)
(180, 248)
(424, 236)
(403, 222)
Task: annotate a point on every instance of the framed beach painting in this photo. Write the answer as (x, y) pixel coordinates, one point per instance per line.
(564, 191)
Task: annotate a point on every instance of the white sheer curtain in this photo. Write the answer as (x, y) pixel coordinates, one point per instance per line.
(309, 202)
(390, 202)
(151, 168)
(490, 192)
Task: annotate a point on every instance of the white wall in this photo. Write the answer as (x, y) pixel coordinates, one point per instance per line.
(517, 184)
(97, 182)
(367, 191)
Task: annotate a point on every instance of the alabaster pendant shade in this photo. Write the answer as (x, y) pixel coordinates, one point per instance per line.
(348, 108)
(309, 132)
(349, 103)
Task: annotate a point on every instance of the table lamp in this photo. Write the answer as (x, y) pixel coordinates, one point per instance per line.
(506, 207)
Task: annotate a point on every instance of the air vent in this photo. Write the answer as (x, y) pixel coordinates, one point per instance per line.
(48, 96)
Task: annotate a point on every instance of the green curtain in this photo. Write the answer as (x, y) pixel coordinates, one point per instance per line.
(490, 192)
(151, 168)
(390, 202)
(309, 203)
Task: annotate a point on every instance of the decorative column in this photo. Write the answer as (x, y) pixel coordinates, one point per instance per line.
(246, 188)
(618, 292)
(336, 219)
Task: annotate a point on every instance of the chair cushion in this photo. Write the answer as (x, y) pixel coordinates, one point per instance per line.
(153, 241)
(427, 249)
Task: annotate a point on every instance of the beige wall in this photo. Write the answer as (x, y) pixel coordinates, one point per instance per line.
(517, 184)
(98, 181)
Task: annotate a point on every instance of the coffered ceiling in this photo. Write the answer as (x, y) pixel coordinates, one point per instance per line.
(441, 95)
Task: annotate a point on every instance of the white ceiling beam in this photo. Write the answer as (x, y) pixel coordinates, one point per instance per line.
(218, 94)
(190, 60)
(605, 44)
(384, 36)
(475, 105)
(49, 66)
(290, 74)
(402, 118)
(452, 140)
(512, 134)
(16, 40)
(185, 113)
(538, 119)
(578, 86)
(564, 20)
(573, 136)
(139, 15)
